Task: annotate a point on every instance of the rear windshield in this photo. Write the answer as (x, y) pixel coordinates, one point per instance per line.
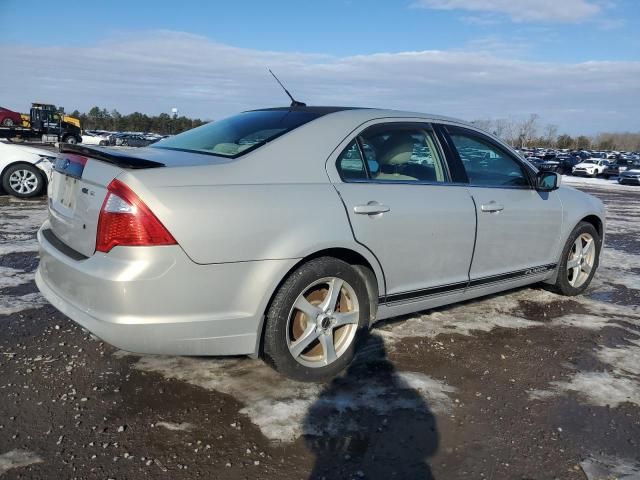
(237, 135)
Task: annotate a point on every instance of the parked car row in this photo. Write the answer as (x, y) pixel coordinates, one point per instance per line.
(124, 139)
(583, 162)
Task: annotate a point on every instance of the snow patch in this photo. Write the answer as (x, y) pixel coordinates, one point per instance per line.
(603, 467)
(464, 319)
(596, 388)
(624, 359)
(279, 406)
(19, 222)
(585, 321)
(12, 304)
(598, 183)
(24, 246)
(176, 427)
(17, 459)
(617, 268)
(11, 277)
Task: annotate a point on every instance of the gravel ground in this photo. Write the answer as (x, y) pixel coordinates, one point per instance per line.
(522, 385)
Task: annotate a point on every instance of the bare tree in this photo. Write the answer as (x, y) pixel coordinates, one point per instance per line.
(550, 135)
(527, 130)
(524, 134)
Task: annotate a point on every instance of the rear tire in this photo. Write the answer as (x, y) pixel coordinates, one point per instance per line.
(578, 265)
(23, 181)
(316, 344)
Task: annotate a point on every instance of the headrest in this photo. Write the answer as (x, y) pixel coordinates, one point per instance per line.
(397, 150)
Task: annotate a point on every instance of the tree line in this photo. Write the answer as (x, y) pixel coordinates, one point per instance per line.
(519, 133)
(102, 119)
(530, 133)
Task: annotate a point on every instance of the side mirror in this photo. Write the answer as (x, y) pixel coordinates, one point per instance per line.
(547, 181)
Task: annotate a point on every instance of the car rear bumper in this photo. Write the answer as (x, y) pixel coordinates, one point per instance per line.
(156, 300)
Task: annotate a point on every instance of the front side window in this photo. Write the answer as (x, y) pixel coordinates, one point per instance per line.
(237, 135)
(486, 164)
(393, 155)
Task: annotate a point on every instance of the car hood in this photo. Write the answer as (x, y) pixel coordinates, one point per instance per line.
(582, 164)
(634, 172)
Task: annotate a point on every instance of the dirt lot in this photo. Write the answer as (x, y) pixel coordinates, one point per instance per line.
(525, 385)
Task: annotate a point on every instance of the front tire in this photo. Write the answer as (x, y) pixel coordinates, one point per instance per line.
(23, 181)
(579, 261)
(8, 122)
(316, 319)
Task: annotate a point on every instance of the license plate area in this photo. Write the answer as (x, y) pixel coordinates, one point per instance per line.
(65, 197)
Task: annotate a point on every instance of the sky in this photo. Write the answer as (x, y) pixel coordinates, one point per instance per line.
(575, 63)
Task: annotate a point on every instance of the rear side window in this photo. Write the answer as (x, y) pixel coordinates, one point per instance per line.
(350, 163)
(240, 134)
(392, 155)
(486, 164)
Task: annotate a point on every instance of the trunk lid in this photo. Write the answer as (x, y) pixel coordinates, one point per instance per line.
(78, 188)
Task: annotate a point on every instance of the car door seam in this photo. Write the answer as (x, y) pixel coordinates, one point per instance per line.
(475, 239)
(353, 234)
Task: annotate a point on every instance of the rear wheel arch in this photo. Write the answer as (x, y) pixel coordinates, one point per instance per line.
(21, 162)
(373, 279)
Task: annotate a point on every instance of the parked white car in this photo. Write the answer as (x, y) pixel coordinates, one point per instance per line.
(91, 139)
(591, 167)
(95, 137)
(25, 171)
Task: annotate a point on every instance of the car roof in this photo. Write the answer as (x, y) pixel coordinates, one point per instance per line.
(366, 113)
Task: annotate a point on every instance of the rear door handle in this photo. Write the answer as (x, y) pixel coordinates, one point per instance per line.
(491, 207)
(370, 209)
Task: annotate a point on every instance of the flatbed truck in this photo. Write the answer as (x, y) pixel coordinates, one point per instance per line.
(46, 124)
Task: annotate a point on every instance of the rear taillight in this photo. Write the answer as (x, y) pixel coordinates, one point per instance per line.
(125, 220)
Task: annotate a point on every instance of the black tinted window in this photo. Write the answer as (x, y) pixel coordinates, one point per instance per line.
(486, 164)
(239, 134)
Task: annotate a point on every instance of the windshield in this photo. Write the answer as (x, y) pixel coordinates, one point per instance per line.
(590, 161)
(237, 135)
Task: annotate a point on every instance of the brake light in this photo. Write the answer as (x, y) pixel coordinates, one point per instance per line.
(125, 220)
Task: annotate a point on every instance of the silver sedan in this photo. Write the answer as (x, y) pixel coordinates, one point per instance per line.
(286, 233)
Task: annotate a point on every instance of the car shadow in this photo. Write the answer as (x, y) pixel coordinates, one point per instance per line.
(370, 423)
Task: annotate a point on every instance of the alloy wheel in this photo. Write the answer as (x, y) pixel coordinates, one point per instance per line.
(323, 322)
(23, 182)
(581, 260)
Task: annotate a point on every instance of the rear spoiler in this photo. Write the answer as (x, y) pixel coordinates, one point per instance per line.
(116, 157)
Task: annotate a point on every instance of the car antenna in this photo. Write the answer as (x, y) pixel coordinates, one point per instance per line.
(294, 102)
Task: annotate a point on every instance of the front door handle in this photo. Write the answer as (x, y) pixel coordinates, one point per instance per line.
(370, 209)
(491, 207)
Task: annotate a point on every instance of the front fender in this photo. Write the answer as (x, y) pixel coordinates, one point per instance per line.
(577, 206)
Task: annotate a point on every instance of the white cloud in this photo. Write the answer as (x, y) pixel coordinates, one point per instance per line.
(522, 10)
(154, 71)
